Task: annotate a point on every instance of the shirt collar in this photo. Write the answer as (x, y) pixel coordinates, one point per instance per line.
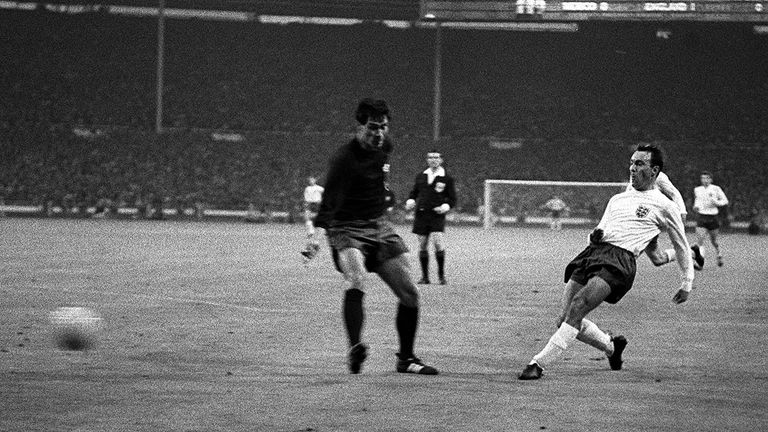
(440, 172)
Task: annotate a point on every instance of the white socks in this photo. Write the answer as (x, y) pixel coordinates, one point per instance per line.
(556, 345)
(590, 334)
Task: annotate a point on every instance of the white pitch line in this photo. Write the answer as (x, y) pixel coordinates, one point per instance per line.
(286, 311)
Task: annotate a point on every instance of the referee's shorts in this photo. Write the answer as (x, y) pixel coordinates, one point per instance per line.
(612, 264)
(427, 221)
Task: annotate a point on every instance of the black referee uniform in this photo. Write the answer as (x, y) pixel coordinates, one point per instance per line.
(428, 195)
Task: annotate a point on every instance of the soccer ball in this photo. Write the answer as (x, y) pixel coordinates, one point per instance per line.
(75, 328)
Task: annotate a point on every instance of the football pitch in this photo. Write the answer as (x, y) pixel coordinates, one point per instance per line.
(221, 327)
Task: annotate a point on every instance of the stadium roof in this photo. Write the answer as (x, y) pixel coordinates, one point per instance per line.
(363, 9)
(490, 14)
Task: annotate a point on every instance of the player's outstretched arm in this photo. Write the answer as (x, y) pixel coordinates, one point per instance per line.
(676, 231)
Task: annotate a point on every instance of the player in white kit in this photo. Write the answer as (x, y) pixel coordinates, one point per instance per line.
(708, 198)
(313, 195)
(605, 270)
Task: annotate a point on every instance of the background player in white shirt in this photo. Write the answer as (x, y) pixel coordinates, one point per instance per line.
(707, 199)
(605, 270)
(313, 196)
(556, 207)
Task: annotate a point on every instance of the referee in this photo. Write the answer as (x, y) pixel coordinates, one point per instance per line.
(433, 195)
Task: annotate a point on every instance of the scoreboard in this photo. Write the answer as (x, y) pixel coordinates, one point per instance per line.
(617, 10)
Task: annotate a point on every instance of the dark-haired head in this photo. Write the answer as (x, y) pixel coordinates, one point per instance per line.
(369, 108)
(373, 116)
(657, 154)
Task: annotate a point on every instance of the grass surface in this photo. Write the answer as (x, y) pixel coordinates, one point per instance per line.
(219, 327)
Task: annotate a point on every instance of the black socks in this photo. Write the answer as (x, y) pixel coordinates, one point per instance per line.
(353, 314)
(440, 257)
(407, 321)
(424, 260)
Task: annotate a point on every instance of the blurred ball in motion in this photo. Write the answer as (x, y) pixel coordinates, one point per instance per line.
(75, 328)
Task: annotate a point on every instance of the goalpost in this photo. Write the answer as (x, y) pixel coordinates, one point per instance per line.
(524, 201)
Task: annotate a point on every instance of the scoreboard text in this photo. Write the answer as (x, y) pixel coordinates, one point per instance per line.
(630, 10)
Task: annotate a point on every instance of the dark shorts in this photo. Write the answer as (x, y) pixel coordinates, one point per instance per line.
(709, 222)
(376, 239)
(613, 264)
(427, 221)
(555, 214)
(312, 207)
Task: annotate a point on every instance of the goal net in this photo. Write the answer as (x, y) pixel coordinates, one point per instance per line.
(532, 202)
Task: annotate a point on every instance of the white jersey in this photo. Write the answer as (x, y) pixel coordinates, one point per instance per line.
(313, 194)
(665, 186)
(633, 218)
(708, 199)
(555, 204)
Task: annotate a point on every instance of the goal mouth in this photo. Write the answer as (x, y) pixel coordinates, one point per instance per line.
(555, 204)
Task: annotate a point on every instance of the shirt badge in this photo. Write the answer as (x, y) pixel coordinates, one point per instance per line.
(439, 187)
(385, 168)
(642, 211)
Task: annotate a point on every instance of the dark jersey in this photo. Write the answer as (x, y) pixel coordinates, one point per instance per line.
(356, 185)
(430, 195)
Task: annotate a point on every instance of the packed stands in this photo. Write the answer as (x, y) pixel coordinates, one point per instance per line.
(77, 106)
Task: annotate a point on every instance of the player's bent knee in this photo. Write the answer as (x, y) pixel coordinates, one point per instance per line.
(409, 296)
(355, 280)
(410, 301)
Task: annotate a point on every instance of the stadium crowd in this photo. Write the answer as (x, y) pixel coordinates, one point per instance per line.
(77, 106)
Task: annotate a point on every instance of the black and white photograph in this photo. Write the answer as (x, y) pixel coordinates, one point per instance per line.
(383, 215)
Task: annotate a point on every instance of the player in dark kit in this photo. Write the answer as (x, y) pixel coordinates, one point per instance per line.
(433, 195)
(362, 240)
